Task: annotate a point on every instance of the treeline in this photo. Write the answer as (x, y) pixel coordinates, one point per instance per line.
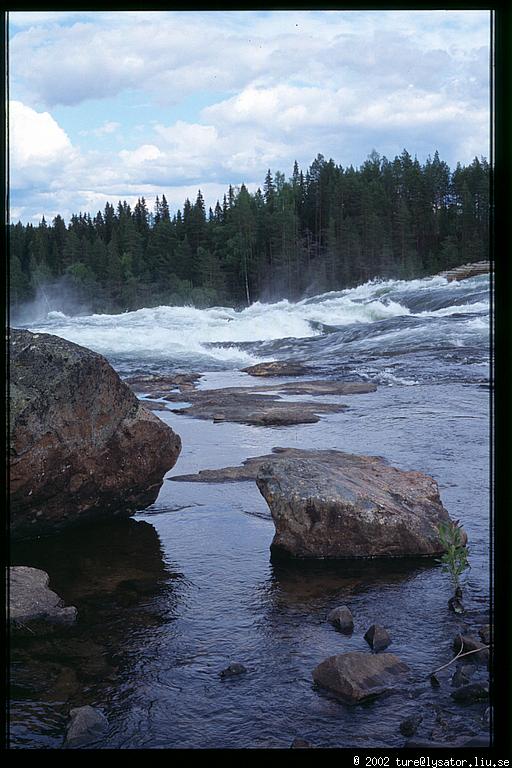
(329, 228)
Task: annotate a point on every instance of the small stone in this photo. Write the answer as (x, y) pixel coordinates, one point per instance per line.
(434, 681)
(467, 694)
(342, 619)
(300, 744)
(233, 669)
(377, 638)
(409, 726)
(87, 725)
(487, 716)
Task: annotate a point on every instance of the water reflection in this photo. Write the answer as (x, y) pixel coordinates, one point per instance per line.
(116, 576)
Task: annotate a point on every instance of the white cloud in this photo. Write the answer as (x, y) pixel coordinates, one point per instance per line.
(35, 138)
(236, 93)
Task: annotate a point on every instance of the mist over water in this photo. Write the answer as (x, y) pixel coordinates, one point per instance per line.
(392, 331)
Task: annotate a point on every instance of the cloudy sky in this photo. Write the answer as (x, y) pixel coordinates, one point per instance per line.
(115, 105)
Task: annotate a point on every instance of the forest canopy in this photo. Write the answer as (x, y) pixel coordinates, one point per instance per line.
(327, 229)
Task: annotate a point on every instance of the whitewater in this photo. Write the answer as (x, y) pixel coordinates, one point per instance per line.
(419, 327)
(199, 589)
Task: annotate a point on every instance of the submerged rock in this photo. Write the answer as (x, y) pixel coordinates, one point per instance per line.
(81, 444)
(234, 669)
(329, 504)
(300, 744)
(467, 694)
(357, 676)
(462, 675)
(342, 619)
(87, 725)
(377, 638)
(410, 725)
(33, 606)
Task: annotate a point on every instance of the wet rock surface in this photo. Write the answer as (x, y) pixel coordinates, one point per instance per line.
(233, 670)
(278, 368)
(357, 676)
(466, 643)
(81, 445)
(377, 638)
(33, 606)
(341, 618)
(156, 385)
(467, 694)
(263, 406)
(246, 407)
(329, 504)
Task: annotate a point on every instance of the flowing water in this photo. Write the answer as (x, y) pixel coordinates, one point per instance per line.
(169, 598)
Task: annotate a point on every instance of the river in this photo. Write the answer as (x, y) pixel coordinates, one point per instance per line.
(170, 597)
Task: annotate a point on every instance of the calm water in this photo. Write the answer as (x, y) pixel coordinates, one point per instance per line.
(169, 598)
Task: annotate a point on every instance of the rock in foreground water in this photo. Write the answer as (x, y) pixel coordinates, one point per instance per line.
(81, 444)
(87, 725)
(342, 619)
(33, 606)
(329, 504)
(357, 676)
(377, 638)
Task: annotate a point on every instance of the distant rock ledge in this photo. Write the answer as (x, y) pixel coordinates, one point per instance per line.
(80, 443)
(467, 270)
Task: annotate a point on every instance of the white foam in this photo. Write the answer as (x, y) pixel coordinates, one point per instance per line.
(180, 333)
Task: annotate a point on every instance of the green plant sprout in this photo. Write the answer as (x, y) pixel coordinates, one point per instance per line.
(455, 558)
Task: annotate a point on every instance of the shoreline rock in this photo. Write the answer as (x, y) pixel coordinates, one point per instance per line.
(81, 444)
(329, 504)
(33, 607)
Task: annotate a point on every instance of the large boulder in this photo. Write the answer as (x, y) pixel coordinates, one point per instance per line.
(329, 504)
(81, 443)
(357, 676)
(33, 606)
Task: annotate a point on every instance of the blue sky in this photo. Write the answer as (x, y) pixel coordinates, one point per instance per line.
(117, 105)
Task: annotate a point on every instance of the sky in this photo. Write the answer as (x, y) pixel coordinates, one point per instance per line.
(109, 106)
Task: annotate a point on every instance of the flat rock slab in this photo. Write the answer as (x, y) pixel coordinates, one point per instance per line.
(358, 676)
(33, 606)
(278, 368)
(248, 470)
(243, 407)
(329, 504)
(157, 385)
